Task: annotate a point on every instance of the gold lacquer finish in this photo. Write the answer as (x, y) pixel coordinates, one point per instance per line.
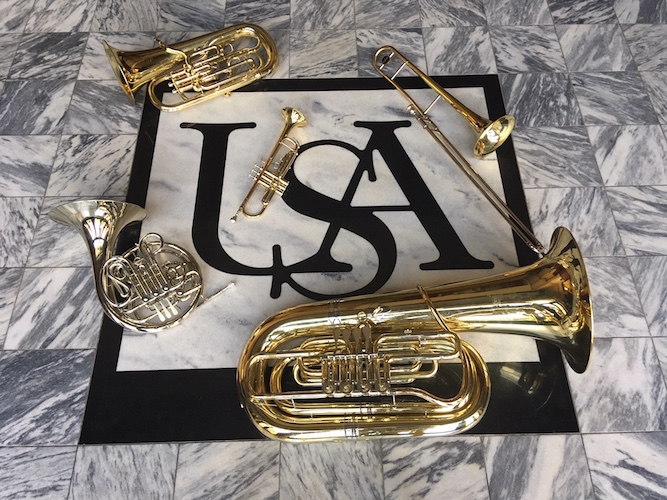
(491, 134)
(359, 367)
(151, 286)
(271, 175)
(197, 69)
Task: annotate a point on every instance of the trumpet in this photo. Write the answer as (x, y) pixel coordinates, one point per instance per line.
(491, 134)
(153, 285)
(197, 69)
(271, 175)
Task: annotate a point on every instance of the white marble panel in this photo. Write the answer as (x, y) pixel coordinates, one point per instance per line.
(25, 164)
(215, 334)
(323, 54)
(338, 470)
(233, 469)
(14, 15)
(650, 275)
(124, 471)
(30, 472)
(628, 465)
(536, 467)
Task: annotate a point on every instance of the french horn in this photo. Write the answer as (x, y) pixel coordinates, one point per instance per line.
(153, 285)
(491, 134)
(197, 69)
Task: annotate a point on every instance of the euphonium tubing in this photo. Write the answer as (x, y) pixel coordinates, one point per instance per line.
(377, 346)
(152, 286)
(271, 175)
(197, 69)
(491, 134)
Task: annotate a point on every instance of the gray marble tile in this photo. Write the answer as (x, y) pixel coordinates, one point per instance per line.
(435, 13)
(408, 41)
(282, 39)
(25, 164)
(14, 15)
(55, 309)
(613, 98)
(93, 166)
(273, 15)
(650, 275)
(124, 471)
(459, 51)
(641, 11)
(336, 470)
(616, 308)
(10, 279)
(517, 12)
(581, 11)
(383, 14)
(322, 14)
(584, 211)
(18, 219)
(31, 472)
(540, 99)
(61, 15)
(656, 85)
(49, 56)
(178, 15)
(95, 65)
(628, 465)
(555, 157)
(9, 42)
(125, 15)
(527, 49)
(101, 108)
(43, 395)
(55, 245)
(660, 344)
(238, 469)
(622, 390)
(640, 217)
(536, 467)
(630, 155)
(595, 47)
(648, 44)
(323, 54)
(34, 106)
(434, 468)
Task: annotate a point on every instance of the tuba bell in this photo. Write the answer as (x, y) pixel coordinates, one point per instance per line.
(360, 367)
(151, 286)
(197, 69)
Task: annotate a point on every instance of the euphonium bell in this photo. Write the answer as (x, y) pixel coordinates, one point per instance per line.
(360, 367)
(199, 68)
(150, 287)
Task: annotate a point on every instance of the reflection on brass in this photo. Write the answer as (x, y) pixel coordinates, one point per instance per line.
(352, 368)
(490, 134)
(199, 68)
(271, 175)
(151, 286)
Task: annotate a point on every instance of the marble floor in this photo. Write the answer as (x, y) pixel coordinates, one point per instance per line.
(587, 82)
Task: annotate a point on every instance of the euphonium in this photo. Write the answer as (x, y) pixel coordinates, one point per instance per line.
(199, 68)
(270, 175)
(491, 134)
(150, 287)
(360, 367)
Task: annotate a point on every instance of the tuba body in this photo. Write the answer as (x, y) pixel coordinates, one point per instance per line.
(363, 367)
(197, 69)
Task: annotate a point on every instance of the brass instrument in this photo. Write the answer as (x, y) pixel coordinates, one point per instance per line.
(151, 286)
(205, 66)
(360, 367)
(491, 134)
(271, 175)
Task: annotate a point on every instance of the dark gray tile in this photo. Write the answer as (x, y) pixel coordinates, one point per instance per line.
(613, 98)
(18, 218)
(648, 44)
(459, 51)
(125, 15)
(595, 47)
(49, 56)
(656, 86)
(14, 15)
(435, 13)
(527, 49)
(9, 42)
(540, 99)
(582, 11)
(323, 54)
(25, 164)
(43, 395)
(322, 14)
(178, 15)
(384, 14)
(641, 11)
(10, 279)
(650, 275)
(61, 15)
(273, 15)
(36, 472)
(408, 41)
(517, 12)
(96, 66)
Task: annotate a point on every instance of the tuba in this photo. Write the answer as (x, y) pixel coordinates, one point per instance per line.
(199, 68)
(151, 286)
(369, 366)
